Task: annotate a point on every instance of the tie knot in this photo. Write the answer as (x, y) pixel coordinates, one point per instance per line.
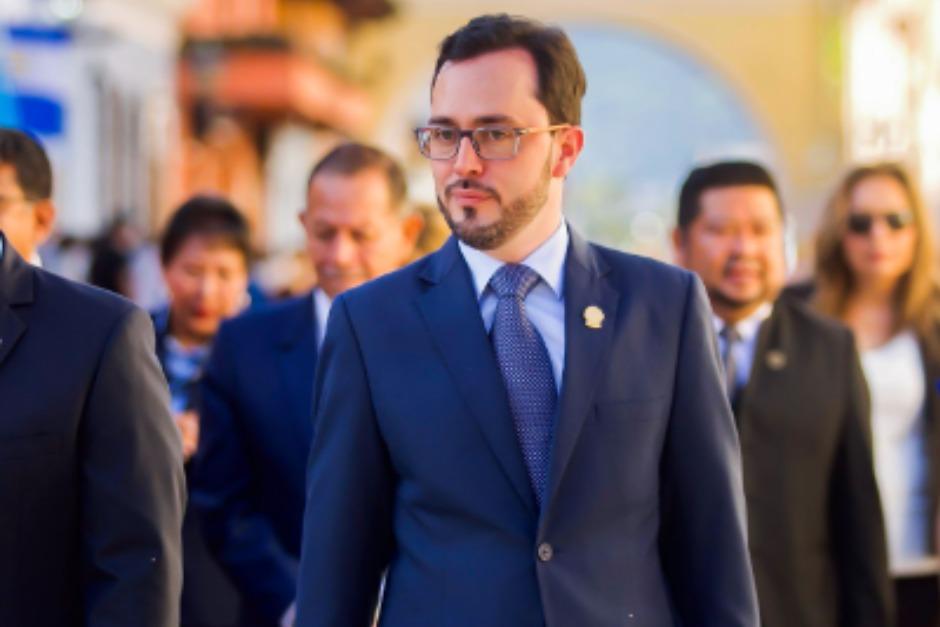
(730, 334)
(514, 280)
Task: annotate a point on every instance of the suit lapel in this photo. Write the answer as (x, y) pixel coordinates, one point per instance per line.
(586, 348)
(16, 288)
(298, 359)
(452, 315)
(11, 329)
(771, 355)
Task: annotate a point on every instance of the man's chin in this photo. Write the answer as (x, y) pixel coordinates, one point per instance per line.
(738, 299)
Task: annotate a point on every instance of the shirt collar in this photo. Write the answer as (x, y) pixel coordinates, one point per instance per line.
(548, 260)
(321, 312)
(748, 327)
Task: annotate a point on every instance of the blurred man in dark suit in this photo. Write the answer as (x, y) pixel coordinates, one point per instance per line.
(794, 380)
(256, 406)
(91, 471)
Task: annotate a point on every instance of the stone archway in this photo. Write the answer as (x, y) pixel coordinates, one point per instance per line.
(651, 112)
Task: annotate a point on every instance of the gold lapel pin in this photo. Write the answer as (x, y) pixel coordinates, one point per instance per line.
(776, 360)
(593, 317)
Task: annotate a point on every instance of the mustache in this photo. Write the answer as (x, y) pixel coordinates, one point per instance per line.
(470, 184)
(737, 262)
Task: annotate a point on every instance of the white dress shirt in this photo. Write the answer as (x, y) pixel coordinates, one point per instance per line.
(544, 305)
(743, 351)
(321, 313)
(895, 375)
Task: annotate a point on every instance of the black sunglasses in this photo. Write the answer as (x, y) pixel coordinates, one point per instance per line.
(862, 223)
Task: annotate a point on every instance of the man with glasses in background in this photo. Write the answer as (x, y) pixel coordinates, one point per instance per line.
(522, 429)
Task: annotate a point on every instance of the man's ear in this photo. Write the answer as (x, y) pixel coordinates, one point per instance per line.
(44, 212)
(411, 226)
(570, 145)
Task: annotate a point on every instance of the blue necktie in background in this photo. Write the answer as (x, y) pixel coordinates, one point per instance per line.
(526, 369)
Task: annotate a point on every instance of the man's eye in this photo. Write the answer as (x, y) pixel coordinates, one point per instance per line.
(444, 134)
(495, 134)
(717, 229)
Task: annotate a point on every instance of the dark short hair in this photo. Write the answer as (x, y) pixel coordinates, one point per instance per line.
(29, 161)
(721, 174)
(351, 158)
(561, 80)
(212, 217)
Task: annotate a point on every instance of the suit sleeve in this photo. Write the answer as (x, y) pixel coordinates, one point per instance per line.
(240, 537)
(857, 523)
(132, 484)
(350, 481)
(703, 537)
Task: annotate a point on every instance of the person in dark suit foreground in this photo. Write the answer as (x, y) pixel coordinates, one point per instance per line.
(523, 428)
(814, 521)
(256, 393)
(91, 471)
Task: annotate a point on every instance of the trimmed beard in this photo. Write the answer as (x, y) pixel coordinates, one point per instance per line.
(512, 217)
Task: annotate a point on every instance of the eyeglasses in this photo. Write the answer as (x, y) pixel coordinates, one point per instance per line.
(862, 223)
(493, 143)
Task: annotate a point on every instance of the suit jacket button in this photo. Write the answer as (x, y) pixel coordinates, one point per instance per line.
(546, 552)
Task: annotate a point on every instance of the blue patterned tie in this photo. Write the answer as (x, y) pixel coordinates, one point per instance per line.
(526, 369)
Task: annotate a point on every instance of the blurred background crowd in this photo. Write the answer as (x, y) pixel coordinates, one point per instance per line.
(143, 103)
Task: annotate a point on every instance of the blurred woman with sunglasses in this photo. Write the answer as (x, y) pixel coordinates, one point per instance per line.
(876, 271)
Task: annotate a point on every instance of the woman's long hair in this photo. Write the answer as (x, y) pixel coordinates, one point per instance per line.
(916, 299)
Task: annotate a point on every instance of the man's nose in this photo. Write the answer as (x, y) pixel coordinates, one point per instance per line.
(342, 249)
(467, 162)
(745, 244)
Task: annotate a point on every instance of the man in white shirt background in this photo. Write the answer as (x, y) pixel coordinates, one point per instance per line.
(256, 392)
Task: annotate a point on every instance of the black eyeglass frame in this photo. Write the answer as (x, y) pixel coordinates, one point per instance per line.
(861, 223)
(518, 133)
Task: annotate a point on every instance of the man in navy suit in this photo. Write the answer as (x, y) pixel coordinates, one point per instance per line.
(256, 391)
(522, 429)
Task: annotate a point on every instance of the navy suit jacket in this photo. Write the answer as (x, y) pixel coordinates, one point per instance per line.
(256, 428)
(416, 468)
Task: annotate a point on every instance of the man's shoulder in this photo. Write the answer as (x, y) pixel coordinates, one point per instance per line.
(396, 286)
(80, 302)
(267, 317)
(639, 273)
